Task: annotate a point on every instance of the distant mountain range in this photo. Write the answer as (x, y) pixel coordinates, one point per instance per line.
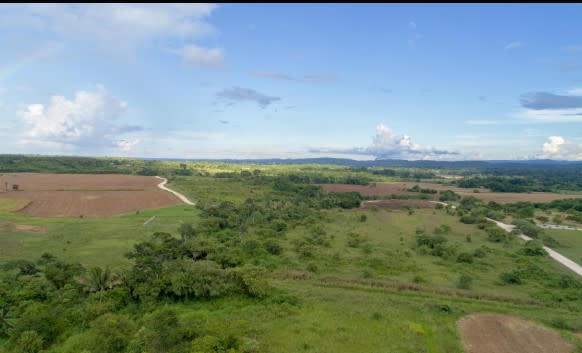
(393, 162)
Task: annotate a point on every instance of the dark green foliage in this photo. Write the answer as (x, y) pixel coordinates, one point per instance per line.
(533, 248)
(465, 282)
(448, 195)
(465, 258)
(273, 247)
(110, 333)
(512, 277)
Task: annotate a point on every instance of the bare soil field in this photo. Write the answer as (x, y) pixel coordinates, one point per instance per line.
(73, 195)
(399, 188)
(397, 204)
(494, 333)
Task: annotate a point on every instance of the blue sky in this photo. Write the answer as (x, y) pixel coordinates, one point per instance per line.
(260, 81)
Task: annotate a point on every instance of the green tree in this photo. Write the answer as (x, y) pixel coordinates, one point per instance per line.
(98, 280)
(110, 333)
(28, 342)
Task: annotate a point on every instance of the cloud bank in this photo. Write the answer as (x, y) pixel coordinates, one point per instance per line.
(559, 148)
(388, 145)
(86, 121)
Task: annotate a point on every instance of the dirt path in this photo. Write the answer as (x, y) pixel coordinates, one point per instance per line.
(183, 198)
(553, 254)
(495, 333)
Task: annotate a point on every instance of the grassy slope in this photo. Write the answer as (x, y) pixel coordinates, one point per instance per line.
(570, 243)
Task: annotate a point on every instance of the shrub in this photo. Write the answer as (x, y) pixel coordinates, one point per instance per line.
(513, 277)
(363, 218)
(354, 240)
(465, 258)
(479, 252)
(533, 248)
(312, 267)
(273, 247)
(465, 282)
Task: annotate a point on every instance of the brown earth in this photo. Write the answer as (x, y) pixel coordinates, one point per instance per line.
(73, 195)
(397, 204)
(399, 188)
(495, 333)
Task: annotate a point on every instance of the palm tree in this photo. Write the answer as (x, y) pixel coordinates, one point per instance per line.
(99, 280)
(5, 324)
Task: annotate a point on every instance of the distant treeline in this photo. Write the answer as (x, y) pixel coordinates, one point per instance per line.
(541, 181)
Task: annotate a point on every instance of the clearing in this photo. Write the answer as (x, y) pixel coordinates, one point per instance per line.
(399, 188)
(74, 195)
(495, 333)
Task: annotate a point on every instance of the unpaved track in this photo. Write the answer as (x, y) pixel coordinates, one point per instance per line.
(495, 333)
(183, 198)
(553, 254)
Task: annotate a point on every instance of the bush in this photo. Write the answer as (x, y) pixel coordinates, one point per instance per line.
(312, 267)
(355, 240)
(273, 247)
(465, 258)
(533, 248)
(513, 277)
(110, 333)
(363, 218)
(465, 282)
(479, 252)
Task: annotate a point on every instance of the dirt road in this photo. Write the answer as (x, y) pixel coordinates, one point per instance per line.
(183, 198)
(553, 254)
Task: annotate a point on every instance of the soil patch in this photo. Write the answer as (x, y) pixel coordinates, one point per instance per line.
(495, 333)
(75, 195)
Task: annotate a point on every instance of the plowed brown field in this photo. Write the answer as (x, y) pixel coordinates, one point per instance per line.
(494, 333)
(73, 195)
(399, 188)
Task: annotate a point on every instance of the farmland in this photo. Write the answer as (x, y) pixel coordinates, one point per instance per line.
(70, 195)
(386, 189)
(269, 261)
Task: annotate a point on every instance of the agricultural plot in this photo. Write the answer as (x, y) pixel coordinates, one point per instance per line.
(74, 195)
(400, 188)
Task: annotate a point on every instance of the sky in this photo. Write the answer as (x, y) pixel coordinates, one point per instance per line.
(437, 82)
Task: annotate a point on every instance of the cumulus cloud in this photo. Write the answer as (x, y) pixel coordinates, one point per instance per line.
(388, 145)
(87, 120)
(312, 78)
(207, 57)
(559, 148)
(238, 94)
(514, 44)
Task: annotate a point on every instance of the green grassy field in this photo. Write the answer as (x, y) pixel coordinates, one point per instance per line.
(89, 241)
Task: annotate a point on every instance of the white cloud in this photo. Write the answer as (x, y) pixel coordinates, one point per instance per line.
(126, 145)
(207, 57)
(550, 115)
(412, 25)
(83, 122)
(115, 22)
(559, 148)
(388, 145)
(574, 91)
(514, 44)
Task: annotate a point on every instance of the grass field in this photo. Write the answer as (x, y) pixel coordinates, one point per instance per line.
(90, 241)
(570, 243)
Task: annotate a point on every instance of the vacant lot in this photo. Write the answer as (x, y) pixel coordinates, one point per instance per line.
(399, 188)
(494, 333)
(73, 195)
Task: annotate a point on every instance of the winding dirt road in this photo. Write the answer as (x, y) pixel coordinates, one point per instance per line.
(183, 198)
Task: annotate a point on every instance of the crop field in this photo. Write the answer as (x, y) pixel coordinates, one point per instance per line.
(386, 189)
(74, 195)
